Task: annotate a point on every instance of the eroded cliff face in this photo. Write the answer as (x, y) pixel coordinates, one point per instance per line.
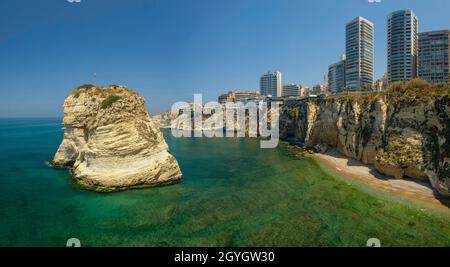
(400, 138)
(111, 143)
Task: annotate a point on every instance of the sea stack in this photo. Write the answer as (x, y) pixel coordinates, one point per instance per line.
(110, 142)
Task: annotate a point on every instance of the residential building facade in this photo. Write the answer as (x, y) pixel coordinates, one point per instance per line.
(359, 50)
(294, 90)
(336, 76)
(270, 84)
(403, 48)
(434, 56)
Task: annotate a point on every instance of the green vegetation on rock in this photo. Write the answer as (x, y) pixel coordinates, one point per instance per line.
(100, 91)
(109, 101)
(413, 91)
(416, 91)
(77, 91)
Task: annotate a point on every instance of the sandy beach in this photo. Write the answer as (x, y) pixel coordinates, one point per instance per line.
(415, 190)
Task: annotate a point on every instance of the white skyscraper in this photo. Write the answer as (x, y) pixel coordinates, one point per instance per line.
(359, 50)
(270, 84)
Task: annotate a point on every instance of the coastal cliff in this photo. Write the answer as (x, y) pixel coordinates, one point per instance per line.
(402, 132)
(163, 120)
(110, 143)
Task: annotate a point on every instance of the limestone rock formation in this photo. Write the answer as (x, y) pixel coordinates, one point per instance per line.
(164, 120)
(111, 143)
(402, 133)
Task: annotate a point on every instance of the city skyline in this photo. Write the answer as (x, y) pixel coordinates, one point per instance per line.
(49, 48)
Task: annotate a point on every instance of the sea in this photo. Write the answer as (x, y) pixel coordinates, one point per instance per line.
(233, 193)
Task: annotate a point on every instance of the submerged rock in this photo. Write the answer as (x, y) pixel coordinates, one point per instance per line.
(111, 143)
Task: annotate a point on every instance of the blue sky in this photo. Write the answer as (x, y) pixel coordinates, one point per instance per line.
(170, 49)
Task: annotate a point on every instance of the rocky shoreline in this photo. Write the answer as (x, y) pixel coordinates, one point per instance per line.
(404, 132)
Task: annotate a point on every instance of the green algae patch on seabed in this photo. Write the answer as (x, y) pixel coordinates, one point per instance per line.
(439, 206)
(393, 220)
(399, 219)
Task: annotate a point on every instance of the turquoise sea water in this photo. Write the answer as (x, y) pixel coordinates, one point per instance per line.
(233, 194)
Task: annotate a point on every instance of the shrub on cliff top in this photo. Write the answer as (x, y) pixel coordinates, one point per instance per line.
(102, 91)
(416, 90)
(87, 86)
(413, 91)
(109, 101)
(442, 85)
(76, 91)
(402, 86)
